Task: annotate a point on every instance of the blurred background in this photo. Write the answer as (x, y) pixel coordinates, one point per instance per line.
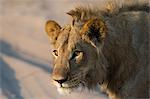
(25, 53)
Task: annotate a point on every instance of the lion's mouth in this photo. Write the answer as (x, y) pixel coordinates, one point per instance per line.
(66, 88)
(70, 86)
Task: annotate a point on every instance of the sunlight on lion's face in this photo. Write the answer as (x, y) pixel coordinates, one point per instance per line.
(73, 61)
(77, 59)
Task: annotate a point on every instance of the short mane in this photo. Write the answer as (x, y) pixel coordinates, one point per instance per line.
(110, 8)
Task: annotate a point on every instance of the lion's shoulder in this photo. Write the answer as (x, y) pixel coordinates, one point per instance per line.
(131, 27)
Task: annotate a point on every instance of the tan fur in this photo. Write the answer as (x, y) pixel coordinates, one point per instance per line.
(109, 49)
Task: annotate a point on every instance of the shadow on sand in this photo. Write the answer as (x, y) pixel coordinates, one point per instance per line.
(9, 84)
(7, 49)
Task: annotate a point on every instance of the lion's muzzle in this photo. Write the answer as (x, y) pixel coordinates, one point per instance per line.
(60, 75)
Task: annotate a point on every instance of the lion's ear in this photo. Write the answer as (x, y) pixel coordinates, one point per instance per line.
(94, 30)
(53, 29)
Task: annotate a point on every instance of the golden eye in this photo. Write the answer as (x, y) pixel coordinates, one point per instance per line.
(55, 52)
(75, 54)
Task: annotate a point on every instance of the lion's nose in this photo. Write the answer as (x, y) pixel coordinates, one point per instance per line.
(60, 75)
(60, 81)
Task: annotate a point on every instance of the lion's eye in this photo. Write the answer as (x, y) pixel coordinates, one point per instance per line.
(55, 52)
(75, 54)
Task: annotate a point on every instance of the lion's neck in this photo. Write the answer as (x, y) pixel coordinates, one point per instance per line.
(121, 59)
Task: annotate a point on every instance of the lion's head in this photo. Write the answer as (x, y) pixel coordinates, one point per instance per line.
(77, 51)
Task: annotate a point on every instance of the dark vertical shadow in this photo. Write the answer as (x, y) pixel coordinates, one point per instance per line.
(145, 31)
(9, 84)
(7, 49)
(141, 33)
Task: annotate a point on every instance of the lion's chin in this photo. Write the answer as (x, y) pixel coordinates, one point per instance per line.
(64, 91)
(68, 90)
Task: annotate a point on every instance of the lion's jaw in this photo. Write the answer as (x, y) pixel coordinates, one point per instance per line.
(86, 79)
(64, 91)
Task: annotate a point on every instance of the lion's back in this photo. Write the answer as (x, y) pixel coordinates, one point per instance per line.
(133, 28)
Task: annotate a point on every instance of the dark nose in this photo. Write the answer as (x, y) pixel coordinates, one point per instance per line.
(61, 80)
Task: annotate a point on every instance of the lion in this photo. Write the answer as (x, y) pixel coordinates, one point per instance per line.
(106, 47)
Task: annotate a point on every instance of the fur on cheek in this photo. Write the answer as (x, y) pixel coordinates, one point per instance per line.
(95, 75)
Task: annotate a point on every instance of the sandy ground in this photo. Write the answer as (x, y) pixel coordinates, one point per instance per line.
(25, 52)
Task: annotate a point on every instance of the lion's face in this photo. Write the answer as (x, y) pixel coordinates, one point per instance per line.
(77, 58)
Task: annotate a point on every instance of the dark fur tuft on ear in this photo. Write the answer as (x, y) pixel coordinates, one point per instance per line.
(94, 30)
